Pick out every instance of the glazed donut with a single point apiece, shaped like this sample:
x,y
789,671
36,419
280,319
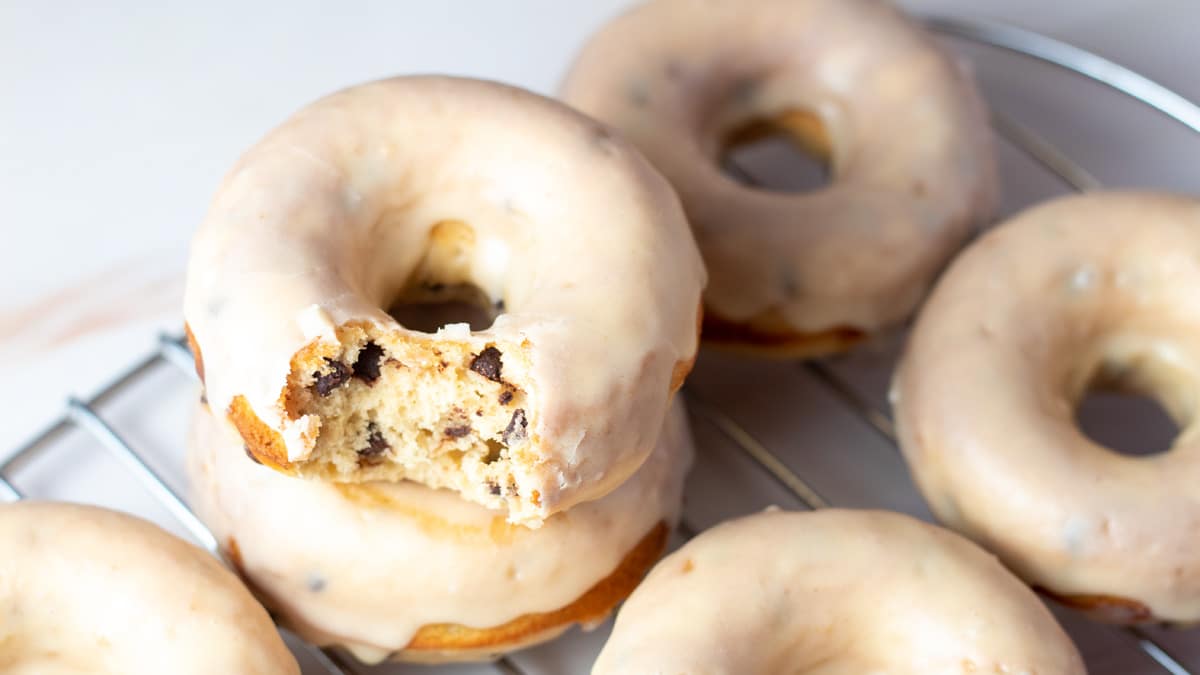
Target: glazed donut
x,y
88,590
404,572
1082,292
834,591
855,82
414,187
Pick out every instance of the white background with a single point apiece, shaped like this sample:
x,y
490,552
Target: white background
x,y
117,122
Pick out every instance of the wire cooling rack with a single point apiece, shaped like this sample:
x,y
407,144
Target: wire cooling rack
x,y
726,445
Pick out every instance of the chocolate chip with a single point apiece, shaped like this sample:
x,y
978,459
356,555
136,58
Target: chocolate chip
x,y
487,363
499,305
376,446
251,455
638,94
517,427
315,582
506,397
203,398
493,487
338,375
457,431
366,368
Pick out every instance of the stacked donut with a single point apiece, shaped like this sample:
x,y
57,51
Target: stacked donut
x,y
453,494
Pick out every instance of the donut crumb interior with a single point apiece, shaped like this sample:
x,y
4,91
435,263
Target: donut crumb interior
x,y
397,405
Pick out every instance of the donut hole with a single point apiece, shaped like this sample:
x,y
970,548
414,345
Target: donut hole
x,y
441,290
436,305
1135,401
1125,422
787,153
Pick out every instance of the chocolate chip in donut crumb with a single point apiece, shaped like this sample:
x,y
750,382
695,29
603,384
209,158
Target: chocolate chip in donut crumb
x,y
487,363
338,375
515,432
251,454
366,368
494,487
499,305
377,445
457,431
506,397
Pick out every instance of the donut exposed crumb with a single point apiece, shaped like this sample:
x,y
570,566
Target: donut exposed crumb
x,y
446,412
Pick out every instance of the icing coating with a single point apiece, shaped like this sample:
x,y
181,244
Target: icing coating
x,y
369,565
1094,290
835,592
322,224
909,151
88,590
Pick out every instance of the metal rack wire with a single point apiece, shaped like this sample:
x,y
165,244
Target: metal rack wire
x,y
82,413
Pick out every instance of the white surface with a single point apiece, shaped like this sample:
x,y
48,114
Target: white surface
x,y
117,123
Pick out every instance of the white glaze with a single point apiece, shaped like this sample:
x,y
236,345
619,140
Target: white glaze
x,y
88,590
912,163
838,593
402,556
1101,286
323,221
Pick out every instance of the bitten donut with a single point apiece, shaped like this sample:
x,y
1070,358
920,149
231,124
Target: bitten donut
x,y
898,123
88,590
419,188
834,591
401,571
1095,291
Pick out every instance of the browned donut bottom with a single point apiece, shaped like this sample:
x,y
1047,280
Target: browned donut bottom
x,y
446,641
770,337
1105,608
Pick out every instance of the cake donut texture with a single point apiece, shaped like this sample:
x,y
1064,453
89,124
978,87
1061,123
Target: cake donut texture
x,y
897,121
88,590
834,591
419,188
1094,291
402,571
